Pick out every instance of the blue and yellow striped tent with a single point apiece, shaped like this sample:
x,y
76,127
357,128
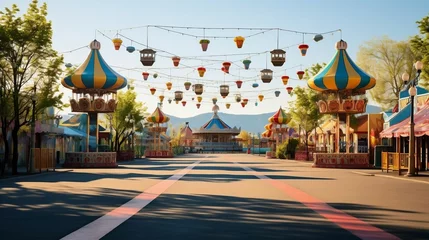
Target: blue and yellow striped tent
x,y
94,73
341,74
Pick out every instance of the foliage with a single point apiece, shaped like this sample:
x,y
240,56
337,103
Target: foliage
x,y
386,60
27,57
245,138
282,150
420,47
291,147
176,135
313,70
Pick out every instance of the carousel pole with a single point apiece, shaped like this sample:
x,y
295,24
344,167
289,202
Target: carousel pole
x,y
347,132
337,135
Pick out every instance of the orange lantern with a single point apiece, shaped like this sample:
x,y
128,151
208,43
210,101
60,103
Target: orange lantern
x,y
289,89
117,42
300,74
261,97
303,48
239,83
161,98
239,40
226,65
201,71
198,105
176,61
285,79
228,105
169,85
152,91
187,85
199,99
243,104
184,103
145,75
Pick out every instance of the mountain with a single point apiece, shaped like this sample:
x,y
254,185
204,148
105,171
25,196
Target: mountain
x,y
250,123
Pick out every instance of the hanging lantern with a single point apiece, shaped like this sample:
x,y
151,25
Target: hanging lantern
x,y
224,70
285,79
256,104
131,49
169,100
147,57
204,44
178,95
277,93
177,102
201,71
152,91
161,98
169,85
69,65
246,63
318,37
184,103
155,75
303,48
226,65
278,57
176,61
261,97
224,90
199,99
238,82
245,100
198,88
266,75
255,85
198,105
228,105
214,100
237,97
289,89
187,85
145,75
117,42
243,104
239,40
300,74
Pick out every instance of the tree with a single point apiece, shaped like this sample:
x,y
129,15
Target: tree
x,y
26,56
313,70
420,47
127,106
245,137
386,60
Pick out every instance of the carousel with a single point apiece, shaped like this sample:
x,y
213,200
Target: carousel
x,y
343,85
158,149
94,85
277,129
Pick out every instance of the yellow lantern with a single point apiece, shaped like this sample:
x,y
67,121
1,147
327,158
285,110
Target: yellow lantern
x,y
228,105
261,97
152,91
199,99
161,98
169,85
117,42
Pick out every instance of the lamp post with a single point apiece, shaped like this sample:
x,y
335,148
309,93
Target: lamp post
x,y
33,125
411,86
58,119
129,119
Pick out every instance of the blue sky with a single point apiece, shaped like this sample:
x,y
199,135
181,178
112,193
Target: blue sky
x,y
75,23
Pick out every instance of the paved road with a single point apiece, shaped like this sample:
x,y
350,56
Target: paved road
x,y
213,197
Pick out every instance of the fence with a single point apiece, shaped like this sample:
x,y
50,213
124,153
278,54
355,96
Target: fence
x,y
394,161
44,159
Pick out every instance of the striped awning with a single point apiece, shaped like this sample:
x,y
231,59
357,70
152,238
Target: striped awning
x,y
269,126
280,117
158,117
267,134
341,74
94,73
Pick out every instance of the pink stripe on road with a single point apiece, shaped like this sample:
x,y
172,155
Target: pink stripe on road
x,y
105,224
354,225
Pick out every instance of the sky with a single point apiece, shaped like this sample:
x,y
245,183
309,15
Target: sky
x,y
76,23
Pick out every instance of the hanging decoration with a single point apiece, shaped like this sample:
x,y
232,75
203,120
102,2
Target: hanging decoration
x,y
145,75
285,79
224,70
239,40
260,97
169,85
152,91
130,49
246,63
214,100
243,104
289,89
228,105
278,57
318,37
256,104
255,85
155,75
303,49
187,85
199,99
239,83
161,98
201,71
69,65
178,96
238,97
224,90
198,105
169,100
176,61
184,103
204,44
117,42
245,100
198,88
266,75
277,93
226,65
300,74
147,57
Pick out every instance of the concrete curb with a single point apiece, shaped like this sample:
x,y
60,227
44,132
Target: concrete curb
x,y
13,178
392,177
362,173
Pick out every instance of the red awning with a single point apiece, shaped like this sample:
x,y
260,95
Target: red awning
x,y
388,132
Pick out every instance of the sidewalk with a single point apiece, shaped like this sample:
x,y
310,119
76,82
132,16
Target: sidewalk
x,y
422,177
22,172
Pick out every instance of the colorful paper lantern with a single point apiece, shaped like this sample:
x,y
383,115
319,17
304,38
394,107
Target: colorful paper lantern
x,y
300,74
201,71
184,103
277,93
198,105
69,65
145,75
237,97
176,61
289,89
161,98
228,105
303,48
187,85
152,91
246,63
131,49
239,83
256,104
278,57
261,97
224,90
169,100
224,70
204,44
147,57
199,98
178,95
255,85
117,42
239,40
214,100
285,79
198,88
155,75
266,75
169,85
245,100
243,104
318,37
226,65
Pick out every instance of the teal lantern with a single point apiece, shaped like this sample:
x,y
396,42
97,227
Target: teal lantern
x,y
255,85
277,93
131,49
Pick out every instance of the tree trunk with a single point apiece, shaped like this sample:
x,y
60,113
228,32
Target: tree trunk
x,y
6,151
15,150
306,144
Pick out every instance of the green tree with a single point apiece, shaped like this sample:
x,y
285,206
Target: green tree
x,y
313,70
420,47
386,60
26,57
245,137
127,106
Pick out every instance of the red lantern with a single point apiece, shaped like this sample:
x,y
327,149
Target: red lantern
x,y
245,100
285,79
289,89
198,105
226,65
152,91
300,74
239,82
201,71
184,103
303,48
243,104
224,70
145,75
176,61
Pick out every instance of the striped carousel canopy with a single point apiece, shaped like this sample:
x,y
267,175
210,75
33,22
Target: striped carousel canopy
x,y
158,117
94,73
267,134
341,74
280,117
269,126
